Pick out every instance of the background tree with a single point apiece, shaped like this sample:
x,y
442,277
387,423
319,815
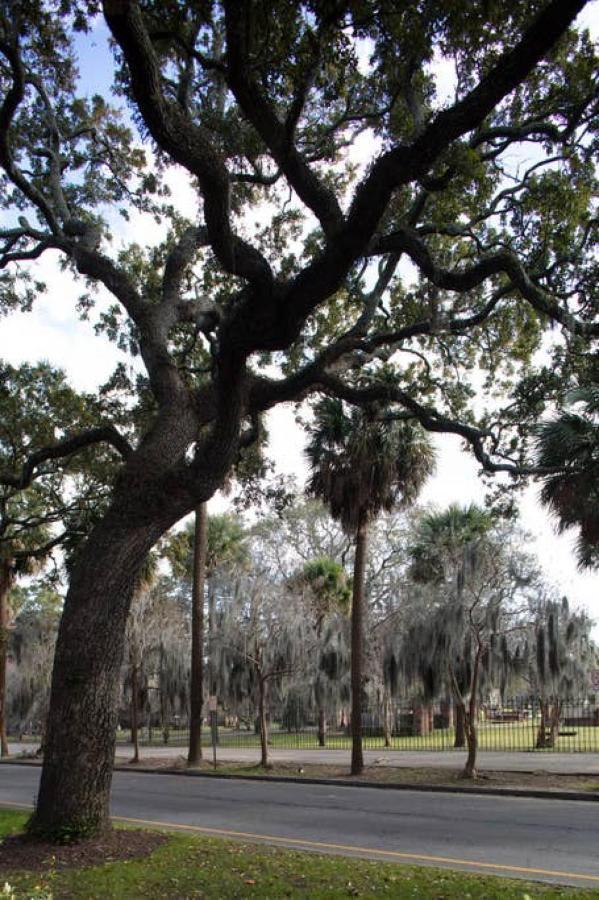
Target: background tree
x,y
263,639
362,465
327,593
437,555
36,610
230,320
556,657
474,607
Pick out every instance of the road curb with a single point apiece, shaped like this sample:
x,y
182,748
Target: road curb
x,y
535,793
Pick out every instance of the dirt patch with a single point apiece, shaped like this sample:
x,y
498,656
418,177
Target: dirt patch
x,y
25,853
385,774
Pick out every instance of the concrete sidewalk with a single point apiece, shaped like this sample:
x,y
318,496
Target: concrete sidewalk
x,y
557,763
562,763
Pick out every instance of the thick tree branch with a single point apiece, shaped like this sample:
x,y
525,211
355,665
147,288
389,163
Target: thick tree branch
x,y
277,135
106,434
178,261
430,419
186,142
506,263
12,100
404,164
408,163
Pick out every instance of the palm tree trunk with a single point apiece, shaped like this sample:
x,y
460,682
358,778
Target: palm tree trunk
x,y
6,582
386,717
357,644
135,711
200,545
212,685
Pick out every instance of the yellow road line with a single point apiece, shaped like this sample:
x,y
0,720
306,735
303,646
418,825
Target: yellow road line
x,y
392,854
321,845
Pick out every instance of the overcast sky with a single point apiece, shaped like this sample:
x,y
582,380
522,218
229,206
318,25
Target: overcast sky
x,y
53,332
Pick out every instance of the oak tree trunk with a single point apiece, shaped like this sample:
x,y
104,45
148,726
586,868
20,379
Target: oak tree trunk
x,y
556,714
200,544
79,744
322,727
470,718
460,726
357,644
263,724
472,741
542,730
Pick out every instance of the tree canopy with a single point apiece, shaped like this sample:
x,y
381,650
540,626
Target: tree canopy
x,y
359,233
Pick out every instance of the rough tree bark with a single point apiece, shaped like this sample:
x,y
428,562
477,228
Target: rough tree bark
x,y
79,745
322,727
470,717
200,544
357,644
541,741
460,726
262,687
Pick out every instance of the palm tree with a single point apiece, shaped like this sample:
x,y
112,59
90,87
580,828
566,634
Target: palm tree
x,y
363,463
570,443
195,554
441,537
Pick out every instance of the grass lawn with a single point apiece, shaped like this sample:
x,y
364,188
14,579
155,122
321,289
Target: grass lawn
x,y
190,866
492,736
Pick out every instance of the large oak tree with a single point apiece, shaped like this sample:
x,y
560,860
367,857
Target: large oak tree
x,y
487,194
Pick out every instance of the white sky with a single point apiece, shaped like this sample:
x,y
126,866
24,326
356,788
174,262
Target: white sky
x,y
53,332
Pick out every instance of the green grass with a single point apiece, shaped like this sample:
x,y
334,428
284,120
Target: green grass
x,y
190,866
507,736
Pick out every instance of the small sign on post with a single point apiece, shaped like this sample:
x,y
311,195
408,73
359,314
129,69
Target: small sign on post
x,y
213,709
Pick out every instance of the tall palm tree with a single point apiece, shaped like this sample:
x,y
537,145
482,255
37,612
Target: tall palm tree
x,y
196,553
570,443
363,463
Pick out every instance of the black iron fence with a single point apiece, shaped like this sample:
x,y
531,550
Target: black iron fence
x,y
524,725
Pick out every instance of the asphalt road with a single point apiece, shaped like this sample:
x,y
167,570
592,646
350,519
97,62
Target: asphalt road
x,y
551,840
